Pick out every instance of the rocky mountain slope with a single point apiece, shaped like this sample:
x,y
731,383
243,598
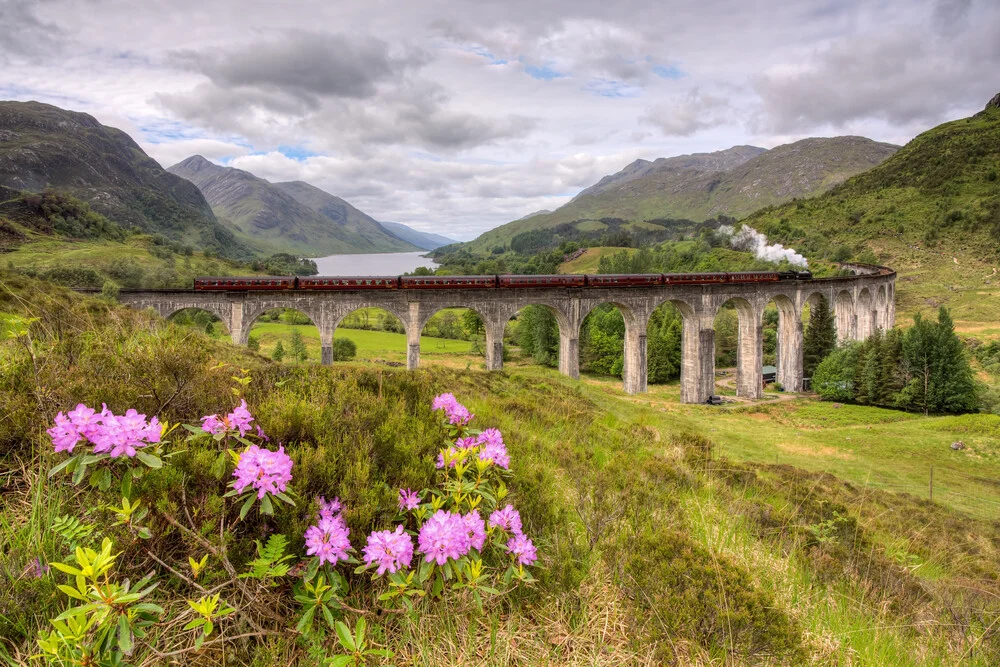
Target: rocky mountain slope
x,y
45,147
733,182
290,217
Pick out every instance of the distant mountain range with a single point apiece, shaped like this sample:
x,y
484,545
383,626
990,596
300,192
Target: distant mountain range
x,y
42,146
290,217
732,182
424,240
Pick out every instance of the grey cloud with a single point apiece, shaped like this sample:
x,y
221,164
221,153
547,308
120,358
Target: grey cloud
x,y
686,115
304,65
23,34
903,76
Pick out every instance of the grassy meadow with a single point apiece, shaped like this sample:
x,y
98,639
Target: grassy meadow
x,y
785,532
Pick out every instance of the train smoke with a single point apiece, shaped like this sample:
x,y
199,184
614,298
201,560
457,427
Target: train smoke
x,y
749,239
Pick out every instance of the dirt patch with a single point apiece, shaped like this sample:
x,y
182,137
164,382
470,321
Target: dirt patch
x,y
807,450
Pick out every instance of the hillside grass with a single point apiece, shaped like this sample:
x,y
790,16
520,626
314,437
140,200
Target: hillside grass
x,y
667,534
588,261
371,345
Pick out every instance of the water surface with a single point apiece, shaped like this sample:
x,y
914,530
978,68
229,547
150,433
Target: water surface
x,y
380,264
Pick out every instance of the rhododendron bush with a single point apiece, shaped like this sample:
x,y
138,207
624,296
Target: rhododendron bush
x,y
459,540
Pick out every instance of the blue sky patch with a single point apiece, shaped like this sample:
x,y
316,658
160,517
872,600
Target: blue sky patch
x,y
542,73
668,72
612,88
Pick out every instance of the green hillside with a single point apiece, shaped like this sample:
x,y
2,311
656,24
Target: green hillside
x,y
734,183
45,147
784,534
932,211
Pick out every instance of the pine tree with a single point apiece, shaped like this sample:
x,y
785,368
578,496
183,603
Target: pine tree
x,y
298,347
820,337
279,352
953,388
919,358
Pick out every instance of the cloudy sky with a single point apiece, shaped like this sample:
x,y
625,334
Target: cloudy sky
x,y
454,117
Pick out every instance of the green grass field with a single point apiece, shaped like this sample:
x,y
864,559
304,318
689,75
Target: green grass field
x,y
371,344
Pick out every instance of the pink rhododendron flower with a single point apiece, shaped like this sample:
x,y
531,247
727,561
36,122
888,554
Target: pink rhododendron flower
x,y
408,500
212,424
508,519
240,418
328,509
391,550
477,529
264,470
498,455
443,536
64,434
466,443
261,434
328,540
456,413
86,420
443,402
522,547
116,435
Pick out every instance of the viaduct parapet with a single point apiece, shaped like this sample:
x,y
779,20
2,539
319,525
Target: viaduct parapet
x,y
860,303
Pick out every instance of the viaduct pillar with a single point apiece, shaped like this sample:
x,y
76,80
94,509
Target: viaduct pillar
x,y
494,344
413,337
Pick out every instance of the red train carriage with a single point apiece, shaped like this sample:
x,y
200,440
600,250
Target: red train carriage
x,y
348,282
694,278
542,281
447,282
245,283
625,279
754,277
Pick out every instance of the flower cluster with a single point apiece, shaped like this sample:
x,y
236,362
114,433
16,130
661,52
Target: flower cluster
x,y
456,413
239,419
444,535
391,550
115,435
408,500
328,539
263,470
489,444
509,519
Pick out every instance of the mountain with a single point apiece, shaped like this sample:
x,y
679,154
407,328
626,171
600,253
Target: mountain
x,y
290,217
732,182
42,146
423,240
931,211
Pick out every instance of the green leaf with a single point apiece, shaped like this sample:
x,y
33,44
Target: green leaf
x,y
359,632
144,533
339,661
246,507
328,615
68,463
196,623
265,505
306,620
126,486
219,467
285,498
124,635
346,639
81,471
149,459
72,592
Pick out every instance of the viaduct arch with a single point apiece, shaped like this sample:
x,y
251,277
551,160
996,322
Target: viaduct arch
x,y
861,303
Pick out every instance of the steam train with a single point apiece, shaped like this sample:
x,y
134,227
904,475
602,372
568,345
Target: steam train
x,y
327,283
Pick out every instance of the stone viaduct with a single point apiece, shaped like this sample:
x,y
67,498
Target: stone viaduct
x,y
860,303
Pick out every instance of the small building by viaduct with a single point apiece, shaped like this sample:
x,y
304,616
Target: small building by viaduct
x,y
860,304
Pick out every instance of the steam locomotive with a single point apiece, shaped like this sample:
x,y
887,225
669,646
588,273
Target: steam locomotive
x,y
333,283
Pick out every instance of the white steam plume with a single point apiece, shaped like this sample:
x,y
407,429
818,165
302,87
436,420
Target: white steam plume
x,y
750,240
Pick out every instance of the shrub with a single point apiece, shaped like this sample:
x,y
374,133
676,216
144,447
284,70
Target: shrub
x,y
344,349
